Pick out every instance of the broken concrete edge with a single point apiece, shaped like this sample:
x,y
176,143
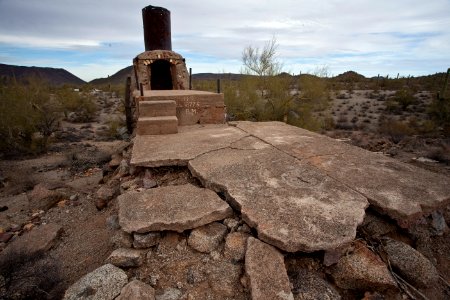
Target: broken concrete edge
x,y
161,163
403,220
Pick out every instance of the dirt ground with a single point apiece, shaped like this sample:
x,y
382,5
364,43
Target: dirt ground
x,y
83,153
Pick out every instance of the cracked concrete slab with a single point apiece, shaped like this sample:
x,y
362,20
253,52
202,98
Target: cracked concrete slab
x,y
175,208
292,205
178,149
402,191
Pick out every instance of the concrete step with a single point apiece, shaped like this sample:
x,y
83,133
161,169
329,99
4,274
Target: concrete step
x,y
160,108
157,125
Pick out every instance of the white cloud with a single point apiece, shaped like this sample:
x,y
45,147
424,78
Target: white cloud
x,y
363,35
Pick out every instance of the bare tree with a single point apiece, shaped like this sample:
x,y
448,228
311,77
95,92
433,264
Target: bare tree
x,y
262,63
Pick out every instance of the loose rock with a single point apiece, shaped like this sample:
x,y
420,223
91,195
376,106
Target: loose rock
x,y
267,274
362,270
34,242
126,258
169,294
207,238
137,290
122,239
415,267
307,285
42,198
104,283
146,240
235,246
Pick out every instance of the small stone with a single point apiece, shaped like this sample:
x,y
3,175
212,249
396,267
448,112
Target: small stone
x,y
122,239
5,237
28,227
194,276
266,271
231,223
62,203
42,198
332,257
410,263
146,240
112,222
170,294
207,238
244,228
73,197
123,169
308,285
149,183
106,193
137,290
438,223
105,282
215,255
100,204
126,258
362,270
235,246
223,278
375,225
154,279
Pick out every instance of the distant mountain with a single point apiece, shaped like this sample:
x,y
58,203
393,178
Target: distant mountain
x,y
119,77
215,76
350,76
51,75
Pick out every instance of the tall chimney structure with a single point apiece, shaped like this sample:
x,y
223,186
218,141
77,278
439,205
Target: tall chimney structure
x,y
157,31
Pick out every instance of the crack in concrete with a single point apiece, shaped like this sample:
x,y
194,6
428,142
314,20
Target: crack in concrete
x,y
305,160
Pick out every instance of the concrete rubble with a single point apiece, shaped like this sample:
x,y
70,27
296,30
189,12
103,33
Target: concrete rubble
x,y
271,194
267,274
175,208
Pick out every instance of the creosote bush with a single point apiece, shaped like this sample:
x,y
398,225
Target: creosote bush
x,y
31,111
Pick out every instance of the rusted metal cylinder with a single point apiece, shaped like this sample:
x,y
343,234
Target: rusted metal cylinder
x,y
157,33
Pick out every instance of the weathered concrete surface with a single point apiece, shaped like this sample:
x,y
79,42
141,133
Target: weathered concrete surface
x,y
190,142
293,206
175,208
402,191
193,107
267,274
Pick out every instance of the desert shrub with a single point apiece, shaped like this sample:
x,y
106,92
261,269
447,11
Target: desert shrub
x,y
82,105
439,111
405,98
30,276
115,128
440,154
395,130
24,110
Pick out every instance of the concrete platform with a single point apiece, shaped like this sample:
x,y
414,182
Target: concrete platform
x,y
301,191
193,107
157,125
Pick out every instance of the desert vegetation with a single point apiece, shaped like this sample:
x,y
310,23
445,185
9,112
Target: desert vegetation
x,y
32,111
398,112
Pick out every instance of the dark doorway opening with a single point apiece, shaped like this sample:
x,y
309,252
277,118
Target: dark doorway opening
x,y
161,75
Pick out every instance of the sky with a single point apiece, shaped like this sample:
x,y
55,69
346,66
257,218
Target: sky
x,y
96,38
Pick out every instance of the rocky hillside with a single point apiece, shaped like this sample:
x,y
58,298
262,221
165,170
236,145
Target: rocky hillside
x,y
51,75
118,78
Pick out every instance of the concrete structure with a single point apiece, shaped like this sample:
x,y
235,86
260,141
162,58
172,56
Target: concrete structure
x,y
160,74
299,190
